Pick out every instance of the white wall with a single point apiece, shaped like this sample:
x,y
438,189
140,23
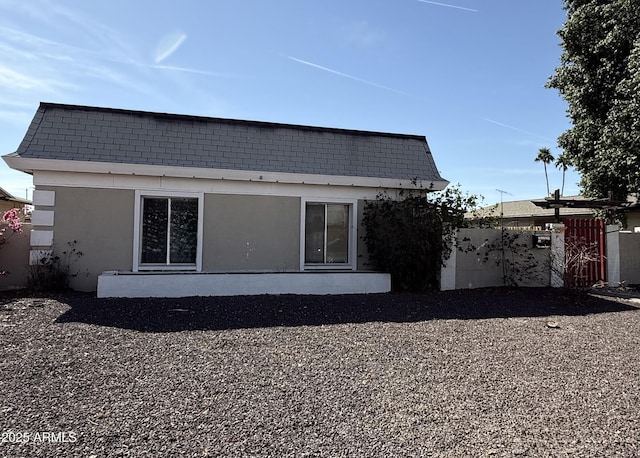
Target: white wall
x,y
114,284
630,257
477,263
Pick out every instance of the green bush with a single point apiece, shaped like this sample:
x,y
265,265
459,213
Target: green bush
x,y
410,236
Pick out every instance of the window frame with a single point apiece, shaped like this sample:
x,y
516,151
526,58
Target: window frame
x,y
137,231
352,240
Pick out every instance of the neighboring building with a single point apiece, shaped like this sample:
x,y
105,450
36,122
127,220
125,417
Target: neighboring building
x,y
7,201
632,214
525,214
633,218
174,205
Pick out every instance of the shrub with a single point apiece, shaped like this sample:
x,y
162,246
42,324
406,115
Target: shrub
x,y
412,235
53,272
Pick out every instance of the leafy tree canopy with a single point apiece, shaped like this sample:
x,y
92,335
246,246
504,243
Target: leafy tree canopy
x,y
599,77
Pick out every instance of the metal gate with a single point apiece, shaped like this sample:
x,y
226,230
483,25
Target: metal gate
x,y
585,252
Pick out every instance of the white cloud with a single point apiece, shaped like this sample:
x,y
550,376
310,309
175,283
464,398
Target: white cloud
x,y
24,82
168,45
49,51
17,117
38,67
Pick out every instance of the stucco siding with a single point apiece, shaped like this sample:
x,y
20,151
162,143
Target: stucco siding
x,y
100,221
245,233
472,270
629,263
14,259
241,233
363,255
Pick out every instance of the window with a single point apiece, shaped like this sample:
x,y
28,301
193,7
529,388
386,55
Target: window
x,y
327,234
168,232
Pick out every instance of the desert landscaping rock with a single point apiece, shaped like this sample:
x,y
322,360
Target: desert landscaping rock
x,y
463,373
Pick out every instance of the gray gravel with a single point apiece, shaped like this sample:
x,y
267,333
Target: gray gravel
x,y
476,373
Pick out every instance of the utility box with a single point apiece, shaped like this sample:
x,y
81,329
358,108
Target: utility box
x,y
542,239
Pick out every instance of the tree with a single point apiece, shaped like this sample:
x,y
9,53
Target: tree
x,y
599,78
545,156
10,220
563,164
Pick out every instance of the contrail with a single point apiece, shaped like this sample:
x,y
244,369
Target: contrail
x,y
196,71
449,6
345,75
513,128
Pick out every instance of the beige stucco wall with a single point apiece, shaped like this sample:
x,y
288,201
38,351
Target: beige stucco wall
x,y
629,260
240,232
243,232
14,258
473,271
100,221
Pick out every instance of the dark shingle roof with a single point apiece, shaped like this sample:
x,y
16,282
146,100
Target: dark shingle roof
x,y
527,209
79,133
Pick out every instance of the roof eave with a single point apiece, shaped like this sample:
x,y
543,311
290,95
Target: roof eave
x,y
31,165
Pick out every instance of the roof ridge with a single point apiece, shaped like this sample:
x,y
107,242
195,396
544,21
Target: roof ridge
x,y
154,114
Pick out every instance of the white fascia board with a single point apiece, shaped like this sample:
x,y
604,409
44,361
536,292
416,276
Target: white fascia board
x,y
172,184
29,165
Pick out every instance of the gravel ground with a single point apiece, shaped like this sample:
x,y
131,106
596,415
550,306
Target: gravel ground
x,y
532,372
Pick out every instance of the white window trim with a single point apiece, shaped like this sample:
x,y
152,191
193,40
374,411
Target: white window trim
x,y
353,234
137,233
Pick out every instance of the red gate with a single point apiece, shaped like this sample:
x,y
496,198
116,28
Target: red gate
x,y
584,249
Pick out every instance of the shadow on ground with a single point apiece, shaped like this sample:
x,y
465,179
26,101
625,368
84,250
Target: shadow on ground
x,y
218,313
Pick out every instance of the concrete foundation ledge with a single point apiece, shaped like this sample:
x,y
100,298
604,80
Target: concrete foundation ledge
x,y
185,284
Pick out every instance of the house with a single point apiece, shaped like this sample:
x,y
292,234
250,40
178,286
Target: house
x,y
177,205
533,214
8,201
526,215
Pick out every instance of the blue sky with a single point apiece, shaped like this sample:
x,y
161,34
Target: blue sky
x,y
467,74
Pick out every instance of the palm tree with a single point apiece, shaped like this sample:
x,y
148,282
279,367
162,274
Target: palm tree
x,y
545,156
563,164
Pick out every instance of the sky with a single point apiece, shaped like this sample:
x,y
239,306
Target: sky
x,y
469,75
